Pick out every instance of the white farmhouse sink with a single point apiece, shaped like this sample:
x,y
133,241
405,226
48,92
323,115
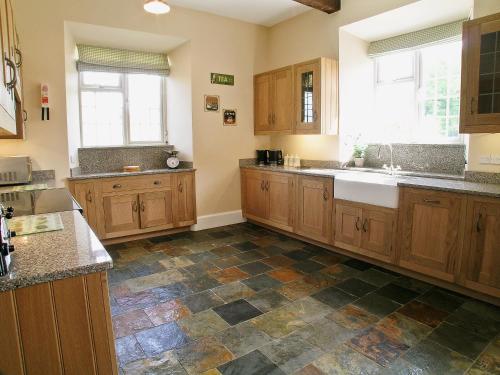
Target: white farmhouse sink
x,y
370,188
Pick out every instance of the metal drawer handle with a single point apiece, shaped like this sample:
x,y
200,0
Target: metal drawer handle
x,y
262,185
25,115
478,224
267,185
19,54
433,201
117,186
12,67
134,206
143,206
180,187
89,196
157,182
365,226
357,224
325,194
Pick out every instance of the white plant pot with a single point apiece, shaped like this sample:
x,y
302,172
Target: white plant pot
x,y
359,162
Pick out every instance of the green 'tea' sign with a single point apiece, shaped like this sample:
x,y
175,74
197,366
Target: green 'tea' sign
x,y
222,79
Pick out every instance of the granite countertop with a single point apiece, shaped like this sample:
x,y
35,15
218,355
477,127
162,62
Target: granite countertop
x,y
87,176
45,257
454,184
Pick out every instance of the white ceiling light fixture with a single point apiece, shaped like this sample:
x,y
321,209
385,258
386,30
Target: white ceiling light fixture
x,y
156,6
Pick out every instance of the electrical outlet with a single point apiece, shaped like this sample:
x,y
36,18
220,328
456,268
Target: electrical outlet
x,y
485,159
495,159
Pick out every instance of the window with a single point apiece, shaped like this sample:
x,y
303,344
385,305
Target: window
x,y
417,95
121,109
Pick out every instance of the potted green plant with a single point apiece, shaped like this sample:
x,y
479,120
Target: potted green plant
x,y
359,155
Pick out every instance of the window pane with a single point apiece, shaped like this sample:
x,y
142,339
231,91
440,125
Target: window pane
x,y
102,118
145,108
101,79
396,67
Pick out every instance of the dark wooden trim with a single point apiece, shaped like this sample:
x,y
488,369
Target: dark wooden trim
x,y
327,6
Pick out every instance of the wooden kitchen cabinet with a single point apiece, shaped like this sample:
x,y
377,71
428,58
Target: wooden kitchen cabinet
x,y
184,200
316,97
84,194
121,214
314,208
273,102
481,260
365,229
480,97
269,198
156,209
60,327
431,227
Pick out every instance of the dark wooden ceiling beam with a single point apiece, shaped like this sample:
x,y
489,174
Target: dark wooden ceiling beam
x,y
327,6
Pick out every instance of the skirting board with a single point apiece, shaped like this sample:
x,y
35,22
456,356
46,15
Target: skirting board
x,y
218,220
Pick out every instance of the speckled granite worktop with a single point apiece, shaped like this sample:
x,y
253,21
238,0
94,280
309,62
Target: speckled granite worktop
x,y
50,256
89,176
441,182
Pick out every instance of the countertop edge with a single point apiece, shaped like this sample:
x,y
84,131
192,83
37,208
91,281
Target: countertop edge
x,y
7,285
94,176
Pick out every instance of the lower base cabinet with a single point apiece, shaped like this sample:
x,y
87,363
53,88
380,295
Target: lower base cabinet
x,y
60,327
126,206
365,229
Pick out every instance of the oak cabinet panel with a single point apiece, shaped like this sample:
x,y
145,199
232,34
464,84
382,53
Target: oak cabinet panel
x,y
184,203
255,196
481,262
314,207
121,213
431,231
156,209
281,200
84,193
348,224
273,101
480,99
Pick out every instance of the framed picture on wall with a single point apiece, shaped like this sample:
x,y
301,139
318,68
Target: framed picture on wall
x,y
229,117
212,103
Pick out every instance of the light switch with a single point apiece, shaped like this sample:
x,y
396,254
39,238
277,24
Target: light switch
x,y
485,159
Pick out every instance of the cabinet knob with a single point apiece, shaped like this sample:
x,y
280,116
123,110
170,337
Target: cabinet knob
x,y
117,186
157,182
365,226
180,188
357,224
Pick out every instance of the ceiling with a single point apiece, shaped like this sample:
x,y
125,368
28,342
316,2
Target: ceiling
x,y
423,14
260,12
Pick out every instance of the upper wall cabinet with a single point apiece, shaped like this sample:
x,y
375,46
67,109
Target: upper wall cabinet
x,y
480,97
316,97
302,99
12,114
273,101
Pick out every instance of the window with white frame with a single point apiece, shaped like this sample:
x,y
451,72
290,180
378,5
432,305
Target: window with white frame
x,y
417,95
121,109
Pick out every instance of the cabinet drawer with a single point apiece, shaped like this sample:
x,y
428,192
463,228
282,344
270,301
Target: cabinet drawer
x,y
136,183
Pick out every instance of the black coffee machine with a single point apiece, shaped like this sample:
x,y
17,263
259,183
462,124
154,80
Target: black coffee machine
x,y
275,157
5,235
262,157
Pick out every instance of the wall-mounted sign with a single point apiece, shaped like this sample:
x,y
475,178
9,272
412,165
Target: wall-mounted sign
x,y
211,103
222,79
229,117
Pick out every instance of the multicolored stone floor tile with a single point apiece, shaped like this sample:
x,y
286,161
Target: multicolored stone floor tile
x,y
244,300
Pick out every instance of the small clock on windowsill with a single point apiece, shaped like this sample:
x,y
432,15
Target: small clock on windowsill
x,y
173,160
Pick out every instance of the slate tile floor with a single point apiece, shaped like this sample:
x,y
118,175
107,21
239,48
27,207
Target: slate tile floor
x,y
244,300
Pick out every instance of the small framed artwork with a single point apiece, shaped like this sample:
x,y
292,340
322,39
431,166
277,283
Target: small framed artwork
x,y
212,103
229,117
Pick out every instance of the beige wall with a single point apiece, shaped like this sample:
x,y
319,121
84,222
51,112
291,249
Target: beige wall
x,y
484,144
217,44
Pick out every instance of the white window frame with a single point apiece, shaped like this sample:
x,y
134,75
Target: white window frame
x,y
417,78
123,88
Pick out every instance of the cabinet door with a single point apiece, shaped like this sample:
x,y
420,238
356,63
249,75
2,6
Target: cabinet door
x,y
282,116
482,256
263,97
348,220
7,100
307,98
377,235
121,214
255,196
314,212
184,208
156,209
480,99
281,199
431,232
85,196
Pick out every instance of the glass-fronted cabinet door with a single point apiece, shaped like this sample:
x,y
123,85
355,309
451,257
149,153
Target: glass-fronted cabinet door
x,y
307,96
480,101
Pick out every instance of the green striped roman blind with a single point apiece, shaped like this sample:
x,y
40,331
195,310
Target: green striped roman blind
x,y
443,33
100,59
